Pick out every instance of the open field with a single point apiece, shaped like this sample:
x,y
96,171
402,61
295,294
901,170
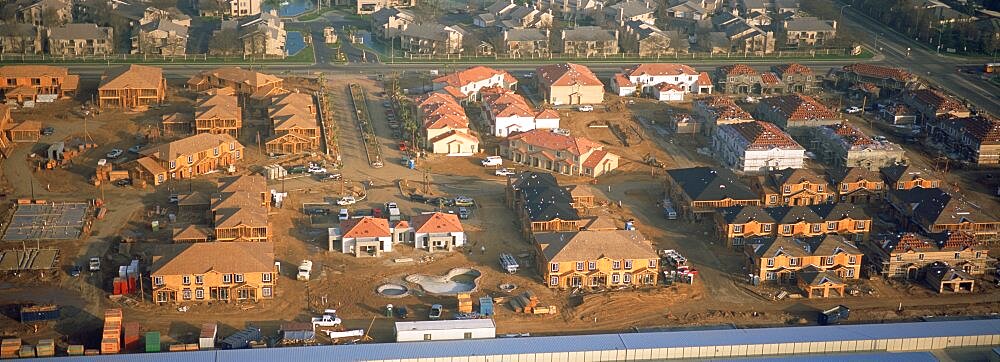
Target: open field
x,y
719,294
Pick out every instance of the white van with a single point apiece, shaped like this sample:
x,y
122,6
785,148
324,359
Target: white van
x,y
491,161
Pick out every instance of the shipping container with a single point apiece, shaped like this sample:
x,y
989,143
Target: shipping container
x,y
39,313
152,342
209,331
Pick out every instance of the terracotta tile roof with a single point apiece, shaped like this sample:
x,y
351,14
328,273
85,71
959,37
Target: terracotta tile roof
x,y
659,69
984,130
452,91
949,241
738,69
851,135
725,108
798,107
704,79
769,78
365,227
27,71
436,222
201,258
472,75
878,71
190,145
595,159
132,76
446,121
441,111
763,135
566,74
547,114
666,87
792,68
622,81
457,134
546,139
593,245
940,102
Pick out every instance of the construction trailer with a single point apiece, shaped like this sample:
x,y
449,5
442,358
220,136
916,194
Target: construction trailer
x,y
445,330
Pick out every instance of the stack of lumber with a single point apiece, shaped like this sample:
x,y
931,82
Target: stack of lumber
x,y
524,303
27,351
464,303
46,348
10,347
544,310
111,342
74,350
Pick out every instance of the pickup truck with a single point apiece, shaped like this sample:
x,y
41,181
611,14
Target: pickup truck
x,y
95,264
329,319
347,200
305,268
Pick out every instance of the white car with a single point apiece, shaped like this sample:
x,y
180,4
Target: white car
x,y
504,172
853,110
586,108
343,215
347,200
115,153
492,161
316,169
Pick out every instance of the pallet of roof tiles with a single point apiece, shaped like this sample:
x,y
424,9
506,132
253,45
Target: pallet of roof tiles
x,y
464,303
27,351
10,347
74,350
46,348
91,352
176,348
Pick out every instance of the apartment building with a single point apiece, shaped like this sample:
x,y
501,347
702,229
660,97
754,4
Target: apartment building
x,y
644,78
238,8
796,77
741,35
908,255
905,177
131,87
741,225
846,146
161,37
809,31
647,40
188,157
446,126
196,273
568,84
431,39
786,260
890,81
702,190
589,41
796,110
527,43
932,104
46,13
719,110
20,39
559,153
388,22
505,14
756,147
794,187
217,114
975,138
596,259
239,209
470,81
364,7
76,40
294,124
631,10
262,34
738,79
27,82
933,210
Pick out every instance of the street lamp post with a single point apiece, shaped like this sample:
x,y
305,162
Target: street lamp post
x,y
841,19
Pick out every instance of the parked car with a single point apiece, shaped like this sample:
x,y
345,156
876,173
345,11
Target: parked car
x,y
94,264
48,131
464,201
328,177
463,213
504,172
296,169
436,311
347,200
317,211
585,108
418,198
135,149
174,198
853,110
115,153
376,212
490,161
401,312
75,270
343,215
314,168
123,182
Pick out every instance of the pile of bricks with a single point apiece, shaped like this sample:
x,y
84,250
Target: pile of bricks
x,y
111,342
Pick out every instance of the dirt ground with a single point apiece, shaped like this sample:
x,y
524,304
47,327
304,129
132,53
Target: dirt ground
x,y
719,294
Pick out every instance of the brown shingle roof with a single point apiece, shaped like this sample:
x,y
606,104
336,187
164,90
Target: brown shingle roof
x,y
132,76
22,71
593,245
239,75
204,257
190,145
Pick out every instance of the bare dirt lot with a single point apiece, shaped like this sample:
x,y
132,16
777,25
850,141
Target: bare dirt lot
x,y
719,294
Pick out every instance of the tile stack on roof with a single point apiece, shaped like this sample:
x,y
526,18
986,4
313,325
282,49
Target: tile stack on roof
x,y
738,69
594,244
759,135
878,71
436,222
984,130
798,107
947,241
710,184
724,108
201,258
937,100
792,68
132,76
769,78
567,74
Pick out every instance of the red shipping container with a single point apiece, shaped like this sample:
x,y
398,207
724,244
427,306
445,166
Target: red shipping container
x,y
131,284
132,336
117,287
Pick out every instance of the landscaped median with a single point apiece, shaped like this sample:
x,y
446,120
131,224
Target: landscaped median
x,y
686,58
305,56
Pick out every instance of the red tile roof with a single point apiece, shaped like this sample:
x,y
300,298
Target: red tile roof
x,y
659,69
475,74
941,102
793,68
769,78
565,74
365,227
437,222
546,139
595,158
738,69
725,108
851,135
797,107
984,130
547,114
704,79
459,134
442,111
878,71
622,81
764,135
666,87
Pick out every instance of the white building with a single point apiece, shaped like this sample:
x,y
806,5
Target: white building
x,y
644,79
468,82
365,236
756,147
444,330
508,112
667,92
239,8
437,231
